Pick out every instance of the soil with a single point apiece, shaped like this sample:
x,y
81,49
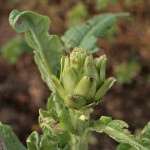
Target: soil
x,y
22,92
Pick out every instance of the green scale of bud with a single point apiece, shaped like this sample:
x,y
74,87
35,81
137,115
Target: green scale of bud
x,y
82,79
89,86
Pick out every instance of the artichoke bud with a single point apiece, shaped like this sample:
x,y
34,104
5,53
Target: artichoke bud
x,y
74,101
101,66
77,57
86,88
62,93
82,79
102,69
104,88
66,63
99,60
62,63
69,80
90,68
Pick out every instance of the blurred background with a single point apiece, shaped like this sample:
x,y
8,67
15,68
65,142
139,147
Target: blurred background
x,y
127,46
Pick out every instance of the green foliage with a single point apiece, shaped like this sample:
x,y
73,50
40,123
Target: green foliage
x,y
36,142
118,130
111,33
126,72
66,124
48,49
77,14
8,140
15,48
45,142
144,139
54,127
85,35
102,4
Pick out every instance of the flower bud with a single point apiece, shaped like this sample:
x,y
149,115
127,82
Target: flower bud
x,y
101,66
104,88
82,79
99,60
69,80
74,101
90,69
62,93
86,88
62,61
77,59
66,63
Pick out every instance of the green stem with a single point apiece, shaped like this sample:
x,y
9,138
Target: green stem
x,y
79,141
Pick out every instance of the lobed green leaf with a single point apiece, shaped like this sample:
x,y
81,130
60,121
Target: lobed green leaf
x,y
85,35
37,142
144,139
117,129
48,48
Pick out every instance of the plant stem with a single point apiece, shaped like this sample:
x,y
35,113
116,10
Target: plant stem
x,y
79,141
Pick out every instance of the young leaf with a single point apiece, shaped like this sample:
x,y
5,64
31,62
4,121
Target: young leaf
x,y
117,129
33,141
15,48
146,130
46,143
48,47
86,35
125,147
48,122
145,139
36,142
8,140
65,121
55,102
44,72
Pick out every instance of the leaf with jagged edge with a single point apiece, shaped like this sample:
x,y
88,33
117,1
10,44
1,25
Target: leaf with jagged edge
x,y
65,121
85,35
55,102
48,121
44,72
33,141
8,139
37,142
45,142
146,130
117,129
48,48
145,139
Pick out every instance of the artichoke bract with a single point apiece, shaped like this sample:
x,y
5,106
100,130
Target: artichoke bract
x,y
82,79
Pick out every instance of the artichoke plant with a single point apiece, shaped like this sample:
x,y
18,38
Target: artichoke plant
x,y
82,79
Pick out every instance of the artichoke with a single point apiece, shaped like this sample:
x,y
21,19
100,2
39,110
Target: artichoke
x,y
82,79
